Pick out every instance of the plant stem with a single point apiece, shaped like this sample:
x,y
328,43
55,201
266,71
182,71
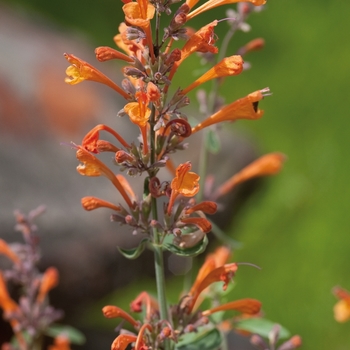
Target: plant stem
x,y
157,248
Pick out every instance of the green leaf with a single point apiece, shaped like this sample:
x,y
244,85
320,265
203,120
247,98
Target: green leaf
x,y
207,340
192,251
261,326
74,336
146,187
213,142
134,252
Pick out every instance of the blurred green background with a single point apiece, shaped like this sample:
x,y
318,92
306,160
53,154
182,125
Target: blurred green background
x,y
296,227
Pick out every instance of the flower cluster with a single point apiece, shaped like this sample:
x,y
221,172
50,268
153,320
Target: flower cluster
x,y
31,315
170,214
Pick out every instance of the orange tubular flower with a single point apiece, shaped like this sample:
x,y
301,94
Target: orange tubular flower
x,y
91,203
269,164
139,345
122,341
206,207
232,65
246,306
6,302
6,250
203,224
139,114
223,273
185,183
342,307
50,280
243,108
61,342
92,166
201,41
111,311
90,141
210,4
145,298
81,70
105,53
139,14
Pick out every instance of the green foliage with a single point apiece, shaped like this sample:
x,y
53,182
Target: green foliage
x,y
74,336
134,253
189,252
205,340
261,326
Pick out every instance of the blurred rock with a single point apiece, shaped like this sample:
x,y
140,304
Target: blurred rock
x,y
38,112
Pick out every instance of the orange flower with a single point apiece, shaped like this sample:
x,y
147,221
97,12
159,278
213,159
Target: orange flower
x,y
203,224
144,298
269,164
91,140
210,4
342,307
81,70
122,341
139,14
92,166
201,41
105,53
49,280
243,108
6,302
139,114
6,250
232,65
61,342
111,311
253,45
246,306
185,183
92,203
206,207
223,273
139,345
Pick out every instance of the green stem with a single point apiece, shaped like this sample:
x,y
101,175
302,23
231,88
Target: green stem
x,y
157,247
